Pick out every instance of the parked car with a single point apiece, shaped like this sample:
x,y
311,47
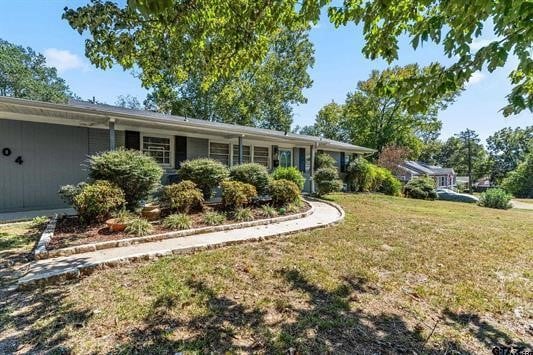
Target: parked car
x,y
450,195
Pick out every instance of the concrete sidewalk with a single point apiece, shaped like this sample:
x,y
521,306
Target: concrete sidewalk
x,y
72,266
8,217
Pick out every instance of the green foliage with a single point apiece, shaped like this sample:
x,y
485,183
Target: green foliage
x,y
507,149
24,74
123,216
183,196
520,182
327,181
292,208
284,192
138,227
67,192
289,173
97,200
205,173
421,188
359,175
253,174
381,111
236,194
495,198
39,221
390,185
243,215
135,173
268,211
177,221
324,160
212,218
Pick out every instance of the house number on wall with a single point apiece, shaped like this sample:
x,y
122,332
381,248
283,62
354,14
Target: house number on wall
x,y
7,152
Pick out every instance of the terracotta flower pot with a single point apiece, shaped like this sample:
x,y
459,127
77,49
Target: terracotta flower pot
x,y
151,212
114,225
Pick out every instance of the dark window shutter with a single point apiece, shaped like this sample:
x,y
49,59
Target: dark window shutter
x,y
301,160
275,157
180,151
132,140
343,162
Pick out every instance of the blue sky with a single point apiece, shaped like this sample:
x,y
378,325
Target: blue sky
x,y
339,65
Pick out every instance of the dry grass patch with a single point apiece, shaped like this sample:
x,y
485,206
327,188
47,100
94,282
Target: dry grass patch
x,y
398,275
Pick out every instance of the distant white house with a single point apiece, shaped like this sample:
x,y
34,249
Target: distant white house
x,y
444,177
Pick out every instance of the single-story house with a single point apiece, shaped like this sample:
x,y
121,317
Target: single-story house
x,y
44,145
444,177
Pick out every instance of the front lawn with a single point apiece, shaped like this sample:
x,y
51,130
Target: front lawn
x,y
398,275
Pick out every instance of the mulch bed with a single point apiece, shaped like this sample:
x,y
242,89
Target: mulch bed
x,y
70,232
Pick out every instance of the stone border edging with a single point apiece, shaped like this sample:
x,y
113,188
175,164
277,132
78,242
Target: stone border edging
x,y
45,238
87,269
42,253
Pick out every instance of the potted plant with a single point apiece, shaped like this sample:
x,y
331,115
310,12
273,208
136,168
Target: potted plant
x,y
151,211
119,222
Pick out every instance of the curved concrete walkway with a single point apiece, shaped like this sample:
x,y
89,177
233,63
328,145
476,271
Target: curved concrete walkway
x,y
74,265
522,205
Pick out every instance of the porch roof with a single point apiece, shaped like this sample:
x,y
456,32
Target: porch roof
x,y
98,116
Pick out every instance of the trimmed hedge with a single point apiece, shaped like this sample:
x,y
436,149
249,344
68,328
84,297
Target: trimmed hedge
x,y
327,181
363,176
206,173
253,174
236,194
289,173
495,198
136,174
97,200
421,188
183,196
324,160
284,192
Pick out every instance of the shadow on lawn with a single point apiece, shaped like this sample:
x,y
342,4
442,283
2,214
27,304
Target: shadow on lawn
x,y
327,324
38,321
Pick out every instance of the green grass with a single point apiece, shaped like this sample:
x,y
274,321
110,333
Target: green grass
x,y
397,275
17,238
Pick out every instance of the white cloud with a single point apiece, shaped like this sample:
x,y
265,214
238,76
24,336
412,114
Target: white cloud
x,y
64,60
475,78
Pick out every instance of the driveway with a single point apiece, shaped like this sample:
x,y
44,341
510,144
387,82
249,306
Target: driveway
x,y
522,205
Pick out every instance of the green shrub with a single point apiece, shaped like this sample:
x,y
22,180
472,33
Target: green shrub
x,y
390,185
136,174
138,227
283,192
268,211
207,174
290,173
177,221
360,175
124,216
243,215
236,194
213,218
324,160
292,208
183,196
253,174
495,198
327,181
97,200
38,222
520,181
67,192
421,188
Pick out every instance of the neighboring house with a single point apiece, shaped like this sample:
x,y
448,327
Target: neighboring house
x,y
43,144
444,177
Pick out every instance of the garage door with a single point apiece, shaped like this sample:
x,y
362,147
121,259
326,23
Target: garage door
x,y
36,159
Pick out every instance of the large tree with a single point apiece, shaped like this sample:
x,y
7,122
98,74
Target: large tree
x,y
380,111
261,96
507,148
24,74
171,38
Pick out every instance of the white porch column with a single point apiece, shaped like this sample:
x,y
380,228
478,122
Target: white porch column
x,y
112,135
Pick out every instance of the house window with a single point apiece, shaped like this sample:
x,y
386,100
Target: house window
x,y
219,152
158,148
245,154
261,156
285,157
442,181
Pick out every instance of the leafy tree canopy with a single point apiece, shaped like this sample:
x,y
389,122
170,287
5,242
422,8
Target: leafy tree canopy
x,y
168,39
24,74
381,112
260,96
507,148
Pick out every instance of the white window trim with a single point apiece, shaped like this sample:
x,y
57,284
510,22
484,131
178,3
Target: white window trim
x,y
172,146
280,148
